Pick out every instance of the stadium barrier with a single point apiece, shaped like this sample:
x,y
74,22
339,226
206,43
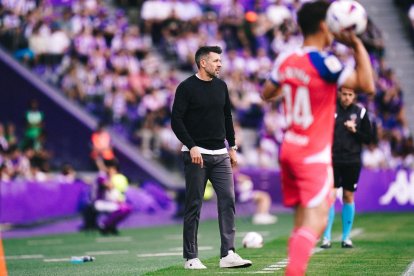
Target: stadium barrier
x,y
24,202
378,190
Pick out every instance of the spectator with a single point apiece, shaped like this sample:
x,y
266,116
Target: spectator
x,y
261,199
10,134
113,200
17,165
108,199
411,17
4,144
67,174
373,158
34,123
101,146
373,41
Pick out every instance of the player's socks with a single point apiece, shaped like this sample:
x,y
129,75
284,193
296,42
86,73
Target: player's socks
x,y
301,243
348,213
331,218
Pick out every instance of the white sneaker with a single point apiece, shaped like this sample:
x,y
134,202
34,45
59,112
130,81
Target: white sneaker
x,y
326,243
347,244
264,219
234,260
194,264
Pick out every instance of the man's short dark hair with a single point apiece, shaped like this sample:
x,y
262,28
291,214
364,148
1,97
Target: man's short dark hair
x,y
310,15
204,51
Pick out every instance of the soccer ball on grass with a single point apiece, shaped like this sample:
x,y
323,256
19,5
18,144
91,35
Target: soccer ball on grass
x,y
346,15
252,240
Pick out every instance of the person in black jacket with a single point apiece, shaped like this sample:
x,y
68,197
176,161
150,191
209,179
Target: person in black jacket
x,y
201,119
352,129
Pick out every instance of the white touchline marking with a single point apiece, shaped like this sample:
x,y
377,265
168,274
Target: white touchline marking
x,y
109,252
116,239
44,242
261,272
410,270
283,263
162,254
317,249
177,237
355,232
24,257
242,234
276,265
247,272
200,248
57,260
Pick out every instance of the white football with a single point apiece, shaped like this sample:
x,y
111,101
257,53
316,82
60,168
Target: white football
x,y
346,15
253,240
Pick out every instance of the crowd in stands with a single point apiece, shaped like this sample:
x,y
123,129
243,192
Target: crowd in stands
x,y
126,74
407,7
22,151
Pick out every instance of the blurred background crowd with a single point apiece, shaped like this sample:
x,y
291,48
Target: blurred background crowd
x,y
122,61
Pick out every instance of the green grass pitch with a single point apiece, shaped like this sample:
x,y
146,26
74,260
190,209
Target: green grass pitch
x,y
384,245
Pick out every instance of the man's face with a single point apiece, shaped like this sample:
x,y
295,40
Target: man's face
x,y
346,96
212,64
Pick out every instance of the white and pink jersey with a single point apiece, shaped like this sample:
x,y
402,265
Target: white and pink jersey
x,y
309,80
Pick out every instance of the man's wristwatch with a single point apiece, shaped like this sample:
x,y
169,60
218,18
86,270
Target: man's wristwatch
x,y
235,147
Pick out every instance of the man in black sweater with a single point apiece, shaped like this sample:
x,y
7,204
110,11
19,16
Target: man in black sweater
x,y
352,129
202,121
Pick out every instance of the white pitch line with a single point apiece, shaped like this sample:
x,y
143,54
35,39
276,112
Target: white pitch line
x,y
283,263
109,252
162,254
261,272
56,260
410,270
200,248
24,257
246,272
316,250
115,239
242,234
44,242
178,237
355,232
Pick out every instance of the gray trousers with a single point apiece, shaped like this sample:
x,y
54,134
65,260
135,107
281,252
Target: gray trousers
x,y
218,170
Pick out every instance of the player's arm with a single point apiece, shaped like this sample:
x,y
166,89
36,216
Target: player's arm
x,y
271,91
362,78
364,131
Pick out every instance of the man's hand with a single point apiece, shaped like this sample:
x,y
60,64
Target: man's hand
x,y
233,157
348,38
196,157
350,125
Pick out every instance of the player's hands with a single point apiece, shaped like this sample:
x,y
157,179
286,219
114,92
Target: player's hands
x,y
196,156
233,157
350,125
348,38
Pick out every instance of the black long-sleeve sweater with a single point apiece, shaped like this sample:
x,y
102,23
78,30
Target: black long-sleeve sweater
x,y
201,114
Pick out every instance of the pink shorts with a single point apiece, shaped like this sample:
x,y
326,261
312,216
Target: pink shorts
x,y
307,185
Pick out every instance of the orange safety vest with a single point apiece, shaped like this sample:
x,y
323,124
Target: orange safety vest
x,y
101,142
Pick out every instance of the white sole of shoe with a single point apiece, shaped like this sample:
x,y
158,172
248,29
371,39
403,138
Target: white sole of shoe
x,y
236,266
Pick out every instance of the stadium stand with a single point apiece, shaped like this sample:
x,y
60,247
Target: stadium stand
x,y
125,74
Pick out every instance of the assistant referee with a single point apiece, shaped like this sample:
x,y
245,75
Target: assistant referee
x,y
352,129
